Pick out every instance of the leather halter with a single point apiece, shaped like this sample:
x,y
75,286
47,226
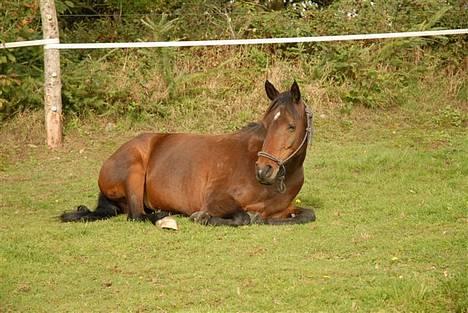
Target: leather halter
x,y
281,176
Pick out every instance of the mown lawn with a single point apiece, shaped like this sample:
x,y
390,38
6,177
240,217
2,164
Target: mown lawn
x,y
391,234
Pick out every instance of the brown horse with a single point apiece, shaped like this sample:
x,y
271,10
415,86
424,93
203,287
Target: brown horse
x,y
251,176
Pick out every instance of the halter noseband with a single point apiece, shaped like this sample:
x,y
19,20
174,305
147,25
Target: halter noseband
x,y
281,176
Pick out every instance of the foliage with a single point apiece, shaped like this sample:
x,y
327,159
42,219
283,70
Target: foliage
x,y
20,69
450,117
164,57
375,74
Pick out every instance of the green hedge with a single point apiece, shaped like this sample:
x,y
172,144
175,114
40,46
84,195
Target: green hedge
x,y
371,73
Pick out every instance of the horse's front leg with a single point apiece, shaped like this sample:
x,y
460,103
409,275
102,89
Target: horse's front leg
x,y
237,219
301,216
221,209
291,215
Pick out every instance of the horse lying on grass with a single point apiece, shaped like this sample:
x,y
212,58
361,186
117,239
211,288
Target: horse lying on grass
x,y
251,176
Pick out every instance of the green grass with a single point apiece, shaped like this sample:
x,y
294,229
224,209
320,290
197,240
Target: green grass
x,y
391,202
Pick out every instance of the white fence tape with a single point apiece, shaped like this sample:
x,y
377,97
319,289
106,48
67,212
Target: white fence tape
x,y
231,42
29,43
54,43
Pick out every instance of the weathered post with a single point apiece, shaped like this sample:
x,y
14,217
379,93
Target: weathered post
x,y
52,82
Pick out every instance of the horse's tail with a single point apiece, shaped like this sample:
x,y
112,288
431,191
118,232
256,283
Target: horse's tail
x,y
105,209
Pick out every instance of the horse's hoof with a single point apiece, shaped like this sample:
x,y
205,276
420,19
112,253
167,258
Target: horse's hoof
x,y
201,217
82,208
153,218
255,218
306,214
243,219
140,218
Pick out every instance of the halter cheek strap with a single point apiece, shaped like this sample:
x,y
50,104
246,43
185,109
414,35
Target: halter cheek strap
x,y
281,176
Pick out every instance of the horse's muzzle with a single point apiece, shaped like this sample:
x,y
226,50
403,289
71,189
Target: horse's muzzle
x,y
265,174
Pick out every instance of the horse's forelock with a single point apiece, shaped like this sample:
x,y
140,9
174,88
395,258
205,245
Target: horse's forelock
x,y
284,99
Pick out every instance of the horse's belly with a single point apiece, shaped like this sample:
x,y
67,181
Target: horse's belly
x,y
174,184
171,197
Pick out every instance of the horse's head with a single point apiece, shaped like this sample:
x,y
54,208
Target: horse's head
x,y
287,123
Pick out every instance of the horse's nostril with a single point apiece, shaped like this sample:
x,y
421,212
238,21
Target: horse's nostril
x,y
264,172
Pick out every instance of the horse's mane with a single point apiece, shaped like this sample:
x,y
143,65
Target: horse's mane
x,y
251,127
257,127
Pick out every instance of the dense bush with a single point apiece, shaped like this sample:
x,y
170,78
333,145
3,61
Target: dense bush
x,y
20,69
371,73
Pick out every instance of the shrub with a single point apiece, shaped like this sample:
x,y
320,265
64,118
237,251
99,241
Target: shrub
x,y
375,74
20,69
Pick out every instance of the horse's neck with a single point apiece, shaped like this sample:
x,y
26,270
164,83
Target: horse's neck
x,y
297,162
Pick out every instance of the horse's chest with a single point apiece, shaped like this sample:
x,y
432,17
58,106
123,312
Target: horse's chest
x,y
261,198
266,199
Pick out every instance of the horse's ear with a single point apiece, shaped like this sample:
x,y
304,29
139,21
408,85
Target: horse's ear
x,y
295,92
271,91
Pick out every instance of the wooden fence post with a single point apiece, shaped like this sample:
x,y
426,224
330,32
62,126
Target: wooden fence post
x,y
52,82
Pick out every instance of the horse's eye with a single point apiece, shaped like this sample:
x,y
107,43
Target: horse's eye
x,y
292,128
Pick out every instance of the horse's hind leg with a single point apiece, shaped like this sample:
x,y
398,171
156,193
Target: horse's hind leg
x,y
105,209
134,191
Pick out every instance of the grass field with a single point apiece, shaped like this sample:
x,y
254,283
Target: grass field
x,y
390,194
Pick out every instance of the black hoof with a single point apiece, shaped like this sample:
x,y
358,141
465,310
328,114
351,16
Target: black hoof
x,y
242,219
255,218
306,214
140,218
82,208
201,217
160,214
153,217
156,216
